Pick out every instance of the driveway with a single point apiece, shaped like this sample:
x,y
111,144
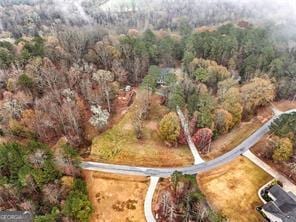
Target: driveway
x,y
196,168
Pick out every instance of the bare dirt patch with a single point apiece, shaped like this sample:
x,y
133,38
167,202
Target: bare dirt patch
x,y
4,139
232,189
153,125
116,198
285,105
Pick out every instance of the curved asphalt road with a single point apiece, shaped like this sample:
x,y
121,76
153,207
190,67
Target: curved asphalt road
x,y
201,167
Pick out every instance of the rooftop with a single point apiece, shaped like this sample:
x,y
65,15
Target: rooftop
x,y
283,205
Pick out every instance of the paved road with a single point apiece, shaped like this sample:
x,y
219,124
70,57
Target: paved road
x,y
148,200
201,167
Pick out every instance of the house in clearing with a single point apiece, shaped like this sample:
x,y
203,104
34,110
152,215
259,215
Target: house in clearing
x,y
164,76
282,208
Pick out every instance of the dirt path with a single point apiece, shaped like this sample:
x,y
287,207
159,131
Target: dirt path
x,y
285,105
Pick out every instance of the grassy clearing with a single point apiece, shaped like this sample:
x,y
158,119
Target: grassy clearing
x,y
232,189
116,198
230,140
120,145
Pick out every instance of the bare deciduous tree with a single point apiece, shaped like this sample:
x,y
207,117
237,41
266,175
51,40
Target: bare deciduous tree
x,y
54,119
120,73
51,193
100,117
103,77
76,41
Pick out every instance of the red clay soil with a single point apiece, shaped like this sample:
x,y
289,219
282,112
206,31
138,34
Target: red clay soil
x,y
121,104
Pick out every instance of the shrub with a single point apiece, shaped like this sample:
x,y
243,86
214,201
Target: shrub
x,y
10,85
77,205
25,81
6,58
202,139
283,150
18,130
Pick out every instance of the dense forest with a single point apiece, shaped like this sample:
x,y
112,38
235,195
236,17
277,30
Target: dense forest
x,y
62,68
49,186
78,73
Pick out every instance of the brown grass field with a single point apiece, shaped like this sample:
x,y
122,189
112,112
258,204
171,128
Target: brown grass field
x,y
116,198
120,145
230,140
232,189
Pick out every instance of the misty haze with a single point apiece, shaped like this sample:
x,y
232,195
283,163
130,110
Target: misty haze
x,y
157,111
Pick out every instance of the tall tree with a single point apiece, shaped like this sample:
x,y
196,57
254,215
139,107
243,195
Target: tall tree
x,y
223,121
169,128
176,98
257,92
232,103
284,126
103,78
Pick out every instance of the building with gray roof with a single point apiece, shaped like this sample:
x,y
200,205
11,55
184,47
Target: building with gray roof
x,y
282,208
